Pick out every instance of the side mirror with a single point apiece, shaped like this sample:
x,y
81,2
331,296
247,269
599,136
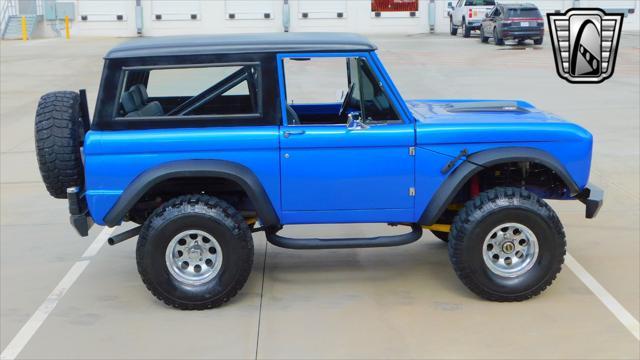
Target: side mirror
x,y
450,5
487,15
354,122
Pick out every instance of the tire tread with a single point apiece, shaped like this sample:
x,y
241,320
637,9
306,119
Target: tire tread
x,y
474,210
58,136
210,206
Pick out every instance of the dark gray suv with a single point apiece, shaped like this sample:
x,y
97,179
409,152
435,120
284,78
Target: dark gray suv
x,y
518,22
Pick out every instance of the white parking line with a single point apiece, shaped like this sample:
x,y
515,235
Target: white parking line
x,y
607,299
29,329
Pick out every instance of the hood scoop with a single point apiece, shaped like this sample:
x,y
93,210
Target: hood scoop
x,y
484,106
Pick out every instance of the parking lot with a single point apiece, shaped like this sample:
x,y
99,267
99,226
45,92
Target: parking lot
x,y
403,302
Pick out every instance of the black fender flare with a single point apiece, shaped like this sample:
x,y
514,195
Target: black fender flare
x,y
477,162
235,172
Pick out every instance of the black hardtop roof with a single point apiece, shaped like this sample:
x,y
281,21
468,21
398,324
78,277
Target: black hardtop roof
x,y
240,43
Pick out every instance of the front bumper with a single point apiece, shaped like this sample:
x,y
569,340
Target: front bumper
x,y
79,212
592,197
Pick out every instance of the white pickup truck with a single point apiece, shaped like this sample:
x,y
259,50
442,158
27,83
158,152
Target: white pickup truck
x,y
467,15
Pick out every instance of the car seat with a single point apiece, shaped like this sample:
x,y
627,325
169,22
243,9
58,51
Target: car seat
x,y
135,103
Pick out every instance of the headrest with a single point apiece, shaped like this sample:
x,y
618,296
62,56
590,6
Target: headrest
x,y
135,98
141,91
128,102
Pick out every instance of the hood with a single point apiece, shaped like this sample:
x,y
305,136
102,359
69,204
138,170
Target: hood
x,y
489,121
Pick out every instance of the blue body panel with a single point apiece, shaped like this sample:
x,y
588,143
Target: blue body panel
x,y
449,133
328,174
331,168
114,158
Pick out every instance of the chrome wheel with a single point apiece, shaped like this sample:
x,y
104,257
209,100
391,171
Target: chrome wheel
x,y
193,257
510,250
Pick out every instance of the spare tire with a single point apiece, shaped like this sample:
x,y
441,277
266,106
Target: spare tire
x,y
59,134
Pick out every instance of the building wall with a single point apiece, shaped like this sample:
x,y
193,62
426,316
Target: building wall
x,y
162,17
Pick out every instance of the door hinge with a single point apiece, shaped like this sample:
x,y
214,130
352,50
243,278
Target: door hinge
x,y
412,191
412,151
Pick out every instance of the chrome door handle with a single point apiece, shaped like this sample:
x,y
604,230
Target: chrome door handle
x,y
288,133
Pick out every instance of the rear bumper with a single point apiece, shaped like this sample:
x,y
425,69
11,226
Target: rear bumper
x,y
592,197
522,34
474,25
79,213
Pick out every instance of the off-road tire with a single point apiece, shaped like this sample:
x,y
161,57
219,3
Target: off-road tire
x,y
483,38
453,30
499,41
538,41
493,208
203,213
59,133
444,236
466,32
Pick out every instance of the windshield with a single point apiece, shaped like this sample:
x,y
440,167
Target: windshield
x,y
523,13
480,3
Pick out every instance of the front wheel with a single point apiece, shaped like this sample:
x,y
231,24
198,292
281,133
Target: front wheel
x,y
466,31
195,252
538,41
453,30
507,245
483,38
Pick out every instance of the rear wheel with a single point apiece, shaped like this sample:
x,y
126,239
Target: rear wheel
x,y
499,41
195,252
453,30
507,245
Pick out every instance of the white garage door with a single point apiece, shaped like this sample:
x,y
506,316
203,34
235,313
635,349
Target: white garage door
x,y
322,9
104,10
249,9
175,10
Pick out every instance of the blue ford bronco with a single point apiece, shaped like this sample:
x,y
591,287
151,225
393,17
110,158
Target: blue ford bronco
x,y
202,141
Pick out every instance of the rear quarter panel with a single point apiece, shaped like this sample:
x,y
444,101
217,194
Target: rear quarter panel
x,y
113,159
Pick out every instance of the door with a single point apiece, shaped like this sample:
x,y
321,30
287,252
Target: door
x,y
457,13
487,24
494,19
345,159
27,7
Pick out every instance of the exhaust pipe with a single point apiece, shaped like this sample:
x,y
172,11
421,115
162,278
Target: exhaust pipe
x,y
116,239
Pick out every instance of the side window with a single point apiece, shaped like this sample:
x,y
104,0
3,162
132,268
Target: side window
x,y
375,105
331,72
188,92
326,90
459,4
497,12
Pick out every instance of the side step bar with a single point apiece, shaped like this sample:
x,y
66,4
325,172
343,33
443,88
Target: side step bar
x,y
345,243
